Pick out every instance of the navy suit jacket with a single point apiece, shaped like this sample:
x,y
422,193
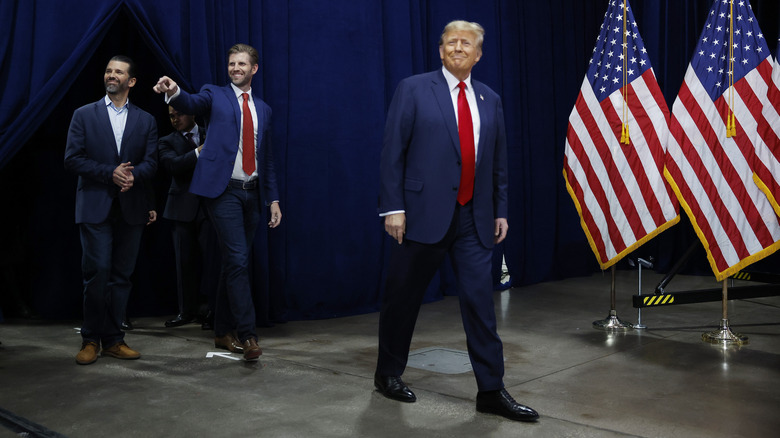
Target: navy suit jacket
x,y
177,156
420,161
90,152
219,107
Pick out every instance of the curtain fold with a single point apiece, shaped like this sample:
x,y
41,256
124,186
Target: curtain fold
x,y
44,47
328,70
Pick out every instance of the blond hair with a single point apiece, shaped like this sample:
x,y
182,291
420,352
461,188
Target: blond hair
x,y
467,26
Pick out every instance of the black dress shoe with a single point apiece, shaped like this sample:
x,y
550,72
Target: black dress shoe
x,y
394,388
501,403
208,321
179,320
127,325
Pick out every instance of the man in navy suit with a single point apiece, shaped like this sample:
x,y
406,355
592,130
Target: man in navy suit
x,y
234,167
192,230
112,147
444,191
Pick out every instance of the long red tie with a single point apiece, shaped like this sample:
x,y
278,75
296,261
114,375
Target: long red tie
x,y
247,137
466,134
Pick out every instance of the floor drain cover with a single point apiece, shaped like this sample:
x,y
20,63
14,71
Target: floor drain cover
x,y
440,360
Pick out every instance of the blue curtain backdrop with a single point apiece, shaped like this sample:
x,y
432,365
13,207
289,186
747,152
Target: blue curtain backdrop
x,y
328,70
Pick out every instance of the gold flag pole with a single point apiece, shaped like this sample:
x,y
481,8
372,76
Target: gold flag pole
x,y
724,335
624,137
731,124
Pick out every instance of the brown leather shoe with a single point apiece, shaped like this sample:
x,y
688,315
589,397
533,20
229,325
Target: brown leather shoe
x,y
121,351
229,343
251,350
88,353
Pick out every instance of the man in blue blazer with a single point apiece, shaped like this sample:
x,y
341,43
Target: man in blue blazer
x,y
112,147
234,167
444,191
193,235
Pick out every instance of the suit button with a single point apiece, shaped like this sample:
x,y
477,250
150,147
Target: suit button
x,y
455,189
458,163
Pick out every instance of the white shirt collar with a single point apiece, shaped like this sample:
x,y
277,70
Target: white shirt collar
x,y
452,81
108,102
239,92
194,130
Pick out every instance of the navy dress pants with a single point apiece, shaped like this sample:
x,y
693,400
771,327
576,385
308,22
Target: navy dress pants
x,y
412,266
235,215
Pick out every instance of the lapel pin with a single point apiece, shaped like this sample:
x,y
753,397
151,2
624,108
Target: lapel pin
x,y
482,97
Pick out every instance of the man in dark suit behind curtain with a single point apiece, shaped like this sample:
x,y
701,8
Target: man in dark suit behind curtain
x,y
444,191
235,171
193,235
112,147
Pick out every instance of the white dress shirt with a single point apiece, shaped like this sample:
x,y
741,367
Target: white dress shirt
x,y
118,118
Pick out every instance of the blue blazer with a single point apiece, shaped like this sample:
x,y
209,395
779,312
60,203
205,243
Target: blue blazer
x,y
90,153
219,107
420,160
178,158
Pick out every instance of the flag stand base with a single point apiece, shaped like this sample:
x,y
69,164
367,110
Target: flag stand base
x,y
724,336
612,322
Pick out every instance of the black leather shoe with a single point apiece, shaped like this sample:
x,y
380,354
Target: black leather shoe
x,y
127,325
394,388
501,403
208,321
180,319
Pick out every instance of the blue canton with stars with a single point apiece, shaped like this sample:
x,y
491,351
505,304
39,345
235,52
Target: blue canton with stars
x,y
605,72
710,60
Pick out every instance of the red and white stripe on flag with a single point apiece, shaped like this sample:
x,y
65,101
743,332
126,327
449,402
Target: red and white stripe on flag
x,y
767,165
619,189
712,173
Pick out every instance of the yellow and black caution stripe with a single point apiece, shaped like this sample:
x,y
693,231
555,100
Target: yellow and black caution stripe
x,y
704,295
761,277
658,300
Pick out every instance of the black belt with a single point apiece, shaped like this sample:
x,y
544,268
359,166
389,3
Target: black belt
x,y
243,185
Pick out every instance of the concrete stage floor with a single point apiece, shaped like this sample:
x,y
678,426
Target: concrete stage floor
x,y
315,377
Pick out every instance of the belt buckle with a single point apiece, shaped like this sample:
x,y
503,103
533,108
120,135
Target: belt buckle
x,y
247,185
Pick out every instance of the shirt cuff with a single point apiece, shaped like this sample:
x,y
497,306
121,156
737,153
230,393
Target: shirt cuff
x,y
391,212
175,95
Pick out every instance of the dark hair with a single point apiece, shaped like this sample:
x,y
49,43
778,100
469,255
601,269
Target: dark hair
x,y
245,48
128,61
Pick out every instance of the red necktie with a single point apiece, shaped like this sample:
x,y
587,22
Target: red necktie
x,y
466,134
247,137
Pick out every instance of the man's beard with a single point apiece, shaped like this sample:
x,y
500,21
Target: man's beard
x,y
113,88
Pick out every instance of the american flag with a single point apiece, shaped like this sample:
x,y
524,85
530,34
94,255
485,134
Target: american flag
x,y
709,171
767,166
618,189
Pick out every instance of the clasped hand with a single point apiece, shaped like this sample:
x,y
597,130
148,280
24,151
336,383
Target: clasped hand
x,y
123,176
